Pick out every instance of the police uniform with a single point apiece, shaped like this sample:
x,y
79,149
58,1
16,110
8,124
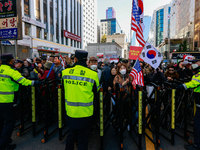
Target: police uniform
x,y
80,86
194,84
9,83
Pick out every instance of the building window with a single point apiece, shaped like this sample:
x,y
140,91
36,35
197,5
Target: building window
x,y
27,29
37,10
66,42
45,10
26,8
38,32
45,35
51,20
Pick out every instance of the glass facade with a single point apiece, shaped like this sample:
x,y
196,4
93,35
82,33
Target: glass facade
x,y
110,13
51,20
182,21
159,26
37,10
111,26
26,8
197,25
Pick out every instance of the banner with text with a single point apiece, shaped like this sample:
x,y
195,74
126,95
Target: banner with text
x,y
134,52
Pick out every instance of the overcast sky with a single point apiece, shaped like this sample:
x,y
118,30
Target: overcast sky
x,y
123,10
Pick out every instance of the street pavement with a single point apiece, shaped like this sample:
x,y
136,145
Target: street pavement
x,y
111,142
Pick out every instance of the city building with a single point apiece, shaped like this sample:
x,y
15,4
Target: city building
x,y
182,24
89,22
197,26
160,28
110,13
49,27
120,39
109,27
111,50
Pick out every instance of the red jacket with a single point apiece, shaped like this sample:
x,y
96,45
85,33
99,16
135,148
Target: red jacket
x,y
51,75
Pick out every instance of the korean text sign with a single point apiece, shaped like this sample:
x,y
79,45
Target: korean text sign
x,y
134,52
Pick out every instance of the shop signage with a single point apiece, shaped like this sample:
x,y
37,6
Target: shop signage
x,y
112,56
5,43
34,22
48,49
8,8
72,36
134,52
10,22
8,33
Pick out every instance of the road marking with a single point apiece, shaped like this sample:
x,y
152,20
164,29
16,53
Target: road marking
x,y
149,144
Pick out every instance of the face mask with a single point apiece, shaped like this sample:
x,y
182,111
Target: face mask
x,y
123,71
194,66
93,67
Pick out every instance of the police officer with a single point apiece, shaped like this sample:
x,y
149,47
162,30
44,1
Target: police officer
x,y
80,85
195,84
9,83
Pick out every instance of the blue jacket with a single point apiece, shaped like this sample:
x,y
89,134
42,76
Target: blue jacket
x,y
58,70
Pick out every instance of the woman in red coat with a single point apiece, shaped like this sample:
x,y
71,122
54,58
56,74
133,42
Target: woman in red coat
x,y
47,67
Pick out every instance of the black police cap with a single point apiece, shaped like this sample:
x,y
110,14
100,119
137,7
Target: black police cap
x,y
19,61
6,57
81,55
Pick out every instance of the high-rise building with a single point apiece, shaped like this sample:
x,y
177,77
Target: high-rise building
x,y
49,27
110,13
181,23
109,27
159,28
89,22
197,26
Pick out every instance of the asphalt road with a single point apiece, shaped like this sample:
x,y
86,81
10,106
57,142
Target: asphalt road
x,y
111,142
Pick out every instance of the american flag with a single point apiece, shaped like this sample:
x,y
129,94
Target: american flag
x,y
136,22
137,75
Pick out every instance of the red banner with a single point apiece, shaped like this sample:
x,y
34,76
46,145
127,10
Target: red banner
x,y
134,52
72,36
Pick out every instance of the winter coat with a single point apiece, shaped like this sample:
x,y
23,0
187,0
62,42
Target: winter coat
x,y
58,70
174,75
24,71
51,75
105,76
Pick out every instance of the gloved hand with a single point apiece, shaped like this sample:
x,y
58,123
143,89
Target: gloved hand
x,y
37,83
180,87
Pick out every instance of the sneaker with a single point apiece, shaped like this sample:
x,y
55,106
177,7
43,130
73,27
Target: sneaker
x,y
191,147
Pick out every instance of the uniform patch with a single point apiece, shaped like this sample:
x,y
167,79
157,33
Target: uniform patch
x,y
197,75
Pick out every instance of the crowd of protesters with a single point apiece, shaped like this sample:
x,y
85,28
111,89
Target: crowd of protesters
x,y
108,73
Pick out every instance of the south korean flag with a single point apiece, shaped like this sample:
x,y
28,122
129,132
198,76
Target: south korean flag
x,y
151,55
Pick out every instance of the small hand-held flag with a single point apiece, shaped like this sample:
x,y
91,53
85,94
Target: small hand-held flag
x,y
151,55
63,62
137,75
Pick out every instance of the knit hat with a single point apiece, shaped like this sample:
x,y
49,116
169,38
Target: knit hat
x,y
48,64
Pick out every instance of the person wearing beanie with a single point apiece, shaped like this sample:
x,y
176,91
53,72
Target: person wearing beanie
x,y
47,67
80,86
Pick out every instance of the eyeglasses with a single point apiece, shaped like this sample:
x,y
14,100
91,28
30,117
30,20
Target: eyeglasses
x,y
171,70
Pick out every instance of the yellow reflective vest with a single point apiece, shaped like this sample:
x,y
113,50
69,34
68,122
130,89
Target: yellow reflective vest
x,y
78,84
9,83
194,83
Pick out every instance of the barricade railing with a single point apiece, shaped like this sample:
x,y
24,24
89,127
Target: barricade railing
x,y
121,115
24,110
